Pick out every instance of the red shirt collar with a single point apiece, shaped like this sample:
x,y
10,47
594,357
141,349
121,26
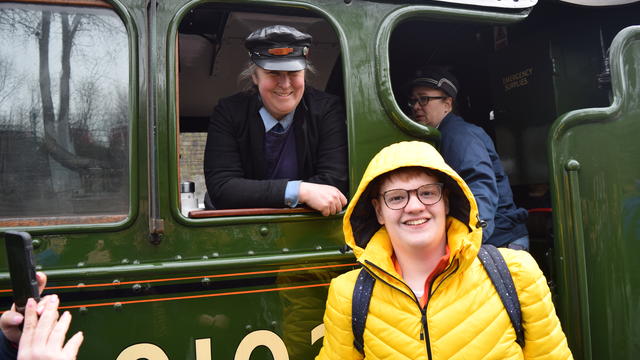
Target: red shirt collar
x,y
442,264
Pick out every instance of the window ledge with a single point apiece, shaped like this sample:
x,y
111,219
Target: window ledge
x,y
198,214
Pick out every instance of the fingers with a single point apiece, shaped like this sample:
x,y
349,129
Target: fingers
x,y
332,207
10,324
42,281
326,211
56,338
336,202
332,203
342,199
10,319
47,320
70,350
328,200
43,338
30,323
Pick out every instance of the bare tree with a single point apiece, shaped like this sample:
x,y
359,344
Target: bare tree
x,y
70,25
9,81
87,93
56,126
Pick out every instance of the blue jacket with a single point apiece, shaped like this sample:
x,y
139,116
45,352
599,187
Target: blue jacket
x,y
470,152
7,352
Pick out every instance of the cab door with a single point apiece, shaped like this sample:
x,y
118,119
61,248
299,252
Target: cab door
x,y
596,194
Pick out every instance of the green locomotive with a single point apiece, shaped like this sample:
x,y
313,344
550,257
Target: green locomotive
x,y
104,106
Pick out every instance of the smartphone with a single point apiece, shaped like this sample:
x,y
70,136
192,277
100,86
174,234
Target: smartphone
x,y
22,268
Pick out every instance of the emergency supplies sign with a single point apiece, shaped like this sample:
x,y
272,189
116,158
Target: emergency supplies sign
x,y
517,79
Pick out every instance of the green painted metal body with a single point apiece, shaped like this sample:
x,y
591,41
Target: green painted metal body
x,y
223,279
596,194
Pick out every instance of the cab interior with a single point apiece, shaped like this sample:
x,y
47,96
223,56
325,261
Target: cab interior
x,y
515,81
212,55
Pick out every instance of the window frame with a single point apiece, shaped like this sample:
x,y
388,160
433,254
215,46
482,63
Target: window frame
x,y
383,66
96,223
248,215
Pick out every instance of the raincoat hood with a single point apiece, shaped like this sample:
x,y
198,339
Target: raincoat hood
x,y
360,225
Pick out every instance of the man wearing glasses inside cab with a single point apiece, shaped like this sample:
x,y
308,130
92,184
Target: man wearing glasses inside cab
x,y
470,152
280,143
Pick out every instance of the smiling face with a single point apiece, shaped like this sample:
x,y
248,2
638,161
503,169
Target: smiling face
x,y
281,91
433,111
416,227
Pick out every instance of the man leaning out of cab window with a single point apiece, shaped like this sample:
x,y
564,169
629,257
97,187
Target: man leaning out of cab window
x,y
281,143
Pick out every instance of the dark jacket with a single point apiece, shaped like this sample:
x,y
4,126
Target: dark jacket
x,y
7,351
470,152
234,163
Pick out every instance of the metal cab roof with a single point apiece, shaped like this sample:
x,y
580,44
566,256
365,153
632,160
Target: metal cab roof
x,y
599,2
506,4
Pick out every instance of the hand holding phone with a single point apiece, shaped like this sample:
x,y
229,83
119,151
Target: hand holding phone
x,y
21,268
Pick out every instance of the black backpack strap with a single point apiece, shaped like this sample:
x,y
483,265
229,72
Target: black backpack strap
x,y
498,271
360,307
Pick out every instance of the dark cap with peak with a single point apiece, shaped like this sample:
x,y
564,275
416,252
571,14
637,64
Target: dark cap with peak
x,y
279,47
437,78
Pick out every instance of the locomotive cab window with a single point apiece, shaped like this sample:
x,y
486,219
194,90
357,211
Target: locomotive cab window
x,y
64,114
486,76
502,79
228,102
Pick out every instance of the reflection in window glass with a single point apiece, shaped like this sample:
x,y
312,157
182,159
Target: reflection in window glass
x,y
64,104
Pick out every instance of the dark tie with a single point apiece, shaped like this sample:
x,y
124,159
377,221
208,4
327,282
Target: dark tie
x,y
278,129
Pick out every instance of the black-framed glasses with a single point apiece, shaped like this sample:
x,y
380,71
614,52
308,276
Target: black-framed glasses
x,y
428,194
423,100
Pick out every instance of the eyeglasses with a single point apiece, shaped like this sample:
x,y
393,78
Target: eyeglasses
x,y
423,100
428,194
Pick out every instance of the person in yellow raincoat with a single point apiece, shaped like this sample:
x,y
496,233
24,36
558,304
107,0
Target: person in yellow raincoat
x,y
413,226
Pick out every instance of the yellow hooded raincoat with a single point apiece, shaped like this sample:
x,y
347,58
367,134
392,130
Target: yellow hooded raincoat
x,y
465,318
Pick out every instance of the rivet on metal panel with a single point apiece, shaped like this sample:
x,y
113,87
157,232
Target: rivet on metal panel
x,y
116,282
274,324
36,243
136,288
206,281
80,285
124,261
251,252
264,231
248,328
205,257
83,310
136,262
318,247
572,165
178,257
215,254
117,306
81,264
285,250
